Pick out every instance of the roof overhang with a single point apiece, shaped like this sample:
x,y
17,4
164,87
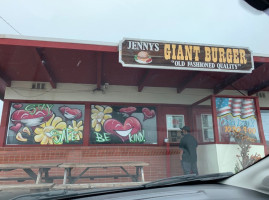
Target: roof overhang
x,y
36,59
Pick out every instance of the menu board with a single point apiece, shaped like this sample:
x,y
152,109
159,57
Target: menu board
x,y
45,124
174,123
236,115
123,125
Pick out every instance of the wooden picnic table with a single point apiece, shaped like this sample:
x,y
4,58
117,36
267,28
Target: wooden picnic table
x,y
28,169
122,165
43,168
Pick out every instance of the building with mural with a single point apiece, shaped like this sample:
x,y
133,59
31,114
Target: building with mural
x,y
77,101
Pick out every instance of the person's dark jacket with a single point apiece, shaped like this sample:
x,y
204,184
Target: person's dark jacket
x,y
188,144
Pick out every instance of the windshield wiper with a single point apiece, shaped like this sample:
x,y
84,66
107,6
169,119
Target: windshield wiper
x,y
69,194
187,178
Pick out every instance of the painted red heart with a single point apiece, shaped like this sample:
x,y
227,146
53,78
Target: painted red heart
x,y
70,113
148,114
17,106
16,128
128,110
31,120
131,126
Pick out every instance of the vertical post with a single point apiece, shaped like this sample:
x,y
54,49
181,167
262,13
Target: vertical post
x,y
259,122
168,173
99,64
39,176
142,174
160,120
4,122
215,121
65,175
190,121
87,125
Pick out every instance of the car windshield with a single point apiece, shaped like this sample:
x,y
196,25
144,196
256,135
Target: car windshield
x,y
105,94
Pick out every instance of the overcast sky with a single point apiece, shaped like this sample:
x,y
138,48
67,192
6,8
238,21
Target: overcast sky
x,y
223,22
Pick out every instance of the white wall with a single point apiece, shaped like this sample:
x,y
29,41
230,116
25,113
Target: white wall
x,y
217,158
84,92
264,102
226,155
207,159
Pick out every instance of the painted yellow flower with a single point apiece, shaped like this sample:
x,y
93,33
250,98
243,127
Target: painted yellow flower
x,y
45,131
77,128
99,115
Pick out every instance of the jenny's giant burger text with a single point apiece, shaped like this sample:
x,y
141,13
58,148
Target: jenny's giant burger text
x,y
164,55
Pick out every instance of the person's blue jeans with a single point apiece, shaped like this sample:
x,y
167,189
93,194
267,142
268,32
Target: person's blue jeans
x,y
189,167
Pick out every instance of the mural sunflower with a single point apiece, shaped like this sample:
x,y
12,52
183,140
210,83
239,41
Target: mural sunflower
x,y
77,128
45,131
99,115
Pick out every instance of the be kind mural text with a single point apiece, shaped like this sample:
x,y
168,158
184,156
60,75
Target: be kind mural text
x,y
45,124
117,124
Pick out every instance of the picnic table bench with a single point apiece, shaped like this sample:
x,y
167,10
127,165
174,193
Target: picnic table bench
x,y
32,187
43,171
28,169
122,165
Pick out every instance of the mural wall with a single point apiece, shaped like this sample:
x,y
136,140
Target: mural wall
x,y
45,124
236,115
123,124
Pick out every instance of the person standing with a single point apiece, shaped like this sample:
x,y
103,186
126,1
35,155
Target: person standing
x,y
188,145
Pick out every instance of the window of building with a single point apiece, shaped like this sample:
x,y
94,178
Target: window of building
x,y
207,128
174,123
237,116
111,124
45,124
265,123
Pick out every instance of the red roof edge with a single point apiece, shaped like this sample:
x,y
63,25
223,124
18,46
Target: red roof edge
x,y
261,59
59,44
